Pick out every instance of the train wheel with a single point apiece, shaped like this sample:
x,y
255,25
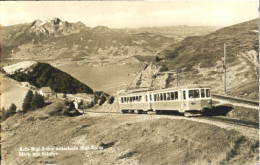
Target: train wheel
x,y
131,111
139,111
123,111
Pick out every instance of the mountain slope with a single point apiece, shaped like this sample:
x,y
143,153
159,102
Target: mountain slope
x,y
43,74
39,30
209,48
200,60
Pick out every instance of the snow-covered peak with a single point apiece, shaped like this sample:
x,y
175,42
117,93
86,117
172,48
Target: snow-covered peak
x,y
19,67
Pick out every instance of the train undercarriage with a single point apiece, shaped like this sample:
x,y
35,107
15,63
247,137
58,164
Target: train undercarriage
x,y
188,113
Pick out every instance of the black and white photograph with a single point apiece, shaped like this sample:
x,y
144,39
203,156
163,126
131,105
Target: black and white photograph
x,y
151,82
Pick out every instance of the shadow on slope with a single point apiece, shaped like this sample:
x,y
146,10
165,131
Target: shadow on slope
x,y
221,110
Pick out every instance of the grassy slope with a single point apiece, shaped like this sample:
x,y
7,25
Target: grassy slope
x,y
128,139
200,59
209,48
12,92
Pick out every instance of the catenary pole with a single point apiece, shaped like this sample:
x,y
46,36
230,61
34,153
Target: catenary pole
x,y
225,70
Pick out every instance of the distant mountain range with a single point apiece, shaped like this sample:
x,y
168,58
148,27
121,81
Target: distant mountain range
x,y
39,30
180,32
57,40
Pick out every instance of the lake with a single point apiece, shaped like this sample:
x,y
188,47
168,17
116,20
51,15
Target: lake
x,y
108,78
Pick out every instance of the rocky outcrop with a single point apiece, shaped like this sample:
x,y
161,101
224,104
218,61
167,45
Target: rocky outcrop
x,y
151,76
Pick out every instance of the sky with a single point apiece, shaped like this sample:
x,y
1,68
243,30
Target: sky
x,y
122,14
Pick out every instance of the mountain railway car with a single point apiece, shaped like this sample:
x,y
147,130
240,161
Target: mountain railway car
x,y
187,100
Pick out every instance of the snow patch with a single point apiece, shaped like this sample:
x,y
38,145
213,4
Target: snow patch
x,y
19,67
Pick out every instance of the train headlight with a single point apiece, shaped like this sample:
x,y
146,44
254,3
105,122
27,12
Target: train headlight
x,y
209,101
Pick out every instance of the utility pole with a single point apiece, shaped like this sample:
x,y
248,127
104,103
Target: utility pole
x,y
177,80
225,70
151,76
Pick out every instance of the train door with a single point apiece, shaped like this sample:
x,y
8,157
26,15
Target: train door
x,y
184,103
147,102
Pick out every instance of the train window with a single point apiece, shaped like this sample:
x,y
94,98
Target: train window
x,y
140,98
164,96
146,99
172,95
207,93
184,95
202,92
161,97
176,95
131,99
122,99
150,97
194,94
155,98
168,96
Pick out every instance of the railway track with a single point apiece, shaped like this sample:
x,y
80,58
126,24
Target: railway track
x,y
248,124
236,100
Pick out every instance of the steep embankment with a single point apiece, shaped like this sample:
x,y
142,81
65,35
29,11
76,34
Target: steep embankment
x,y
44,75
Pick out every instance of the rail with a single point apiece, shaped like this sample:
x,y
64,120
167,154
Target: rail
x,y
239,100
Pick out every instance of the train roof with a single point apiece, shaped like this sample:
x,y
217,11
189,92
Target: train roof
x,y
143,91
